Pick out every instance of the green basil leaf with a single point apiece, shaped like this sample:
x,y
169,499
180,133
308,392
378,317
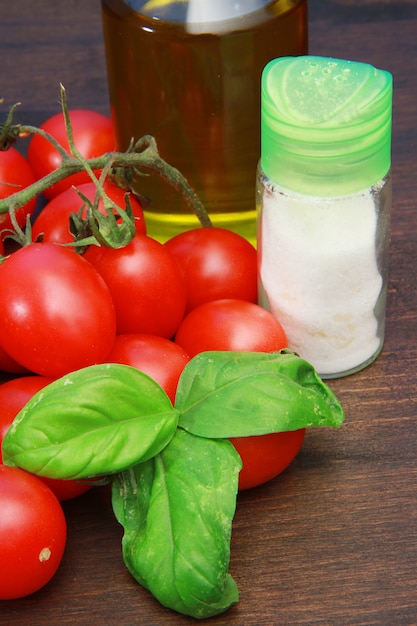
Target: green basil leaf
x,y
177,511
97,420
238,394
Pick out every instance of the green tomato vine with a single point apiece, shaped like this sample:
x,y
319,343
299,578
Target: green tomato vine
x,y
141,157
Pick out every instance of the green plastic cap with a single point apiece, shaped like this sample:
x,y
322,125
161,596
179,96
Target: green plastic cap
x,y
325,124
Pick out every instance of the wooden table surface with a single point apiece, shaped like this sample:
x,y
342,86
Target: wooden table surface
x,y
333,540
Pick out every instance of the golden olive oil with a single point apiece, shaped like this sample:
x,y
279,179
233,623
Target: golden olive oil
x,y
198,94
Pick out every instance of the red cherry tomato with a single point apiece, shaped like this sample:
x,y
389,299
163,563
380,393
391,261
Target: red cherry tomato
x,y
266,456
93,136
230,325
53,221
67,489
15,175
146,284
217,264
14,394
32,533
158,357
57,312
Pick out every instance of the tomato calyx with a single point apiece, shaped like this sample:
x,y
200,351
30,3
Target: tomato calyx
x,y
9,134
99,228
23,237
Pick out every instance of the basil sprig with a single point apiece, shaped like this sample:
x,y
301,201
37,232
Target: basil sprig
x,y
174,472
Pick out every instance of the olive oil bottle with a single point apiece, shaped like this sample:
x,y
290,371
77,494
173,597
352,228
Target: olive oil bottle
x,y
196,88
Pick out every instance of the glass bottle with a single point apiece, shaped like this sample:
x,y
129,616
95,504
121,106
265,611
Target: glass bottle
x,y
188,73
324,203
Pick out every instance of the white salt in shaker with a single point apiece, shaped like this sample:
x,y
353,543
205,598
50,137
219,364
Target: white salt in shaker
x,y
324,203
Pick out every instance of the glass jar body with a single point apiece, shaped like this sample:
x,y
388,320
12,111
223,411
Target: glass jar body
x,y
198,94
323,272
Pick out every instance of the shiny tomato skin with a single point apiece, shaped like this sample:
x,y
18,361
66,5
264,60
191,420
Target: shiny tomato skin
x,y
53,221
217,263
146,285
230,324
14,394
32,533
15,174
158,357
266,456
57,313
93,136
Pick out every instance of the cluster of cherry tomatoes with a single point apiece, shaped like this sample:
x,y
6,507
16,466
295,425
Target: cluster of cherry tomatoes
x,y
149,305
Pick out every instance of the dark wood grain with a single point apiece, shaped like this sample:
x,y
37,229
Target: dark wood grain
x,y
333,540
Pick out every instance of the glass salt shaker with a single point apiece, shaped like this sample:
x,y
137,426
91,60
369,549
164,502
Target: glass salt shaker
x,y
324,203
